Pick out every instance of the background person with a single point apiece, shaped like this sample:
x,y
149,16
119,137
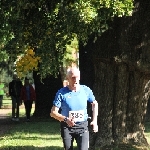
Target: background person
x,y
28,95
1,94
72,100
14,91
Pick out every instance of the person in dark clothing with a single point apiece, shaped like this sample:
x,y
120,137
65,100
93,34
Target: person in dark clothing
x,y
28,95
1,94
14,91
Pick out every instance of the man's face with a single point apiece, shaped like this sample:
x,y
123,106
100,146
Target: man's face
x,y
74,79
15,77
26,81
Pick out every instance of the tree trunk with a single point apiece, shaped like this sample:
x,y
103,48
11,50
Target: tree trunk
x,y
122,74
45,93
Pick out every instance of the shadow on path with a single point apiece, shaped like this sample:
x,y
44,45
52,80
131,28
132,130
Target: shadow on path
x,y
5,121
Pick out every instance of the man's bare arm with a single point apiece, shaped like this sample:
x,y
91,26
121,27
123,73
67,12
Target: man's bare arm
x,y
95,110
95,114
55,114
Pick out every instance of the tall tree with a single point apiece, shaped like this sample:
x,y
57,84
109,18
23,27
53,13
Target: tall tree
x,y
120,58
45,92
50,26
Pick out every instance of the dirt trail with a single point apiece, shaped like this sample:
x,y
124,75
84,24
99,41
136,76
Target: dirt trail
x,y
5,120
4,112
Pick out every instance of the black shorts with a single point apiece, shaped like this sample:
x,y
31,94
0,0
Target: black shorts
x,y
79,132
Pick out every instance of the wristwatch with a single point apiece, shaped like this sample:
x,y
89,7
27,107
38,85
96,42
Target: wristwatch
x,y
65,119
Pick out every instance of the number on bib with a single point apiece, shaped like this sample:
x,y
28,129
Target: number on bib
x,y
77,115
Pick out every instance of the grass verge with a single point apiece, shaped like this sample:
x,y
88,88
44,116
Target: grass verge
x,y
32,136
42,135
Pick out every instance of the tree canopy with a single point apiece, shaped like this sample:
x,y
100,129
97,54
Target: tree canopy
x,y
48,27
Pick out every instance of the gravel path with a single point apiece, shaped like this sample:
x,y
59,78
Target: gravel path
x,y
5,120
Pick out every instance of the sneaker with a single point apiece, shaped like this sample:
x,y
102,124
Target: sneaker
x,y
13,119
17,119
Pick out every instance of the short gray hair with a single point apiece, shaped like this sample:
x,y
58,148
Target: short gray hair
x,y
71,70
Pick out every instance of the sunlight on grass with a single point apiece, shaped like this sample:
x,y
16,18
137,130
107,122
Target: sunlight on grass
x,y
147,135
39,134
147,131
32,139
33,134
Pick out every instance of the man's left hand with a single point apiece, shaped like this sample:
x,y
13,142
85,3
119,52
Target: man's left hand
x,y
95,126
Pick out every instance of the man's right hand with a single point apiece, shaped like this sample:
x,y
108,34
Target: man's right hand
x,y
70,122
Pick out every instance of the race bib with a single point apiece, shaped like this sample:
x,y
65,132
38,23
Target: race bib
x,y
77,115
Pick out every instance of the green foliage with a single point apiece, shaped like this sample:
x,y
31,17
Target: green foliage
x,y
70,55
3,56
51,25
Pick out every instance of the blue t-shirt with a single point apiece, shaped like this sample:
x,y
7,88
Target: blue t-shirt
x,y
69,100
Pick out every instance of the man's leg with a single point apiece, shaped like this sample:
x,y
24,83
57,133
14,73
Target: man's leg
x,y
83,141
26,107
67,138
82,137
30,107
28,110
1,100
13,106
17,107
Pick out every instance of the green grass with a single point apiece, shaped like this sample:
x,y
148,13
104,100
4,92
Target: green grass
x,y
33,135
40,135
6,102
